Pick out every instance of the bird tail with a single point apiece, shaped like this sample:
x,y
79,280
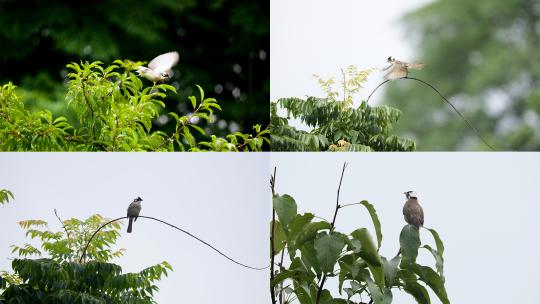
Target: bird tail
x,y
130,224
416,66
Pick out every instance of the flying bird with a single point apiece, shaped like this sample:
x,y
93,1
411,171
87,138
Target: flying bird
x,y
133,212
159,69
412,211
400,69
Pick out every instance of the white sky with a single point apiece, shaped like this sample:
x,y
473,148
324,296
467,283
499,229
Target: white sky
x,y
485,207
223,198
320,37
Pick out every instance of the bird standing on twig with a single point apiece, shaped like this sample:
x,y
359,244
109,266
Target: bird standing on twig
x,y
133,212
159,69
412,211
400,69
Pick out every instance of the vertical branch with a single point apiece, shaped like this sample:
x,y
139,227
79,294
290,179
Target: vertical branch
x,y
272,249
332,225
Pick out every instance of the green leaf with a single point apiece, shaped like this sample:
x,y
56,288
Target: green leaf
x,y
375,219
409,241
412,287
439,261
438,242
328,247
390,269
279,237
432,279
369,253
286,208
309,232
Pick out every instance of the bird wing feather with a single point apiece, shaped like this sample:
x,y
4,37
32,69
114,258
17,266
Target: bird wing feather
x,y
164,62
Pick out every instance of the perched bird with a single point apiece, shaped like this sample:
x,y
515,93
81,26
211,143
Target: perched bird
x,y
133,212
412,211
159,69
400,69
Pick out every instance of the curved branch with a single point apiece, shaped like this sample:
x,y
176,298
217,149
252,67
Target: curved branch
x,y
448,102
380,84
173,226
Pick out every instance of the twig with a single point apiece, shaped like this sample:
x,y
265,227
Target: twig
x,y
457,111
332,225
173,226
272,249
367,100
61,222
448,102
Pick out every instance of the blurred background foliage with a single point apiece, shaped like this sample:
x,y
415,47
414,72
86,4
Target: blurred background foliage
x,y
223,46
483,56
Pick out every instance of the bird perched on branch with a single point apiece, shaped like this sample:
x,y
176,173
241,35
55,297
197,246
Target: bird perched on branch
x,y
412,211
159,69
133,212
400,69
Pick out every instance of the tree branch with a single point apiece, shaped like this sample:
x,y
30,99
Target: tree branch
x,y
173,226
332,225
272,249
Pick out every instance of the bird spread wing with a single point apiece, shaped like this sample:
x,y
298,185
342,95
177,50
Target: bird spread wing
x,y
396,73
415,66
164,62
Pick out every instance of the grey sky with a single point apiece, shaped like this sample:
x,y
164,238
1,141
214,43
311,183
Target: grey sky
x,y
320,37
485,207
222,198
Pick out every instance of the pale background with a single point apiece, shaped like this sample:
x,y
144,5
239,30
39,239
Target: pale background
x,y
222,198
485,206
320,37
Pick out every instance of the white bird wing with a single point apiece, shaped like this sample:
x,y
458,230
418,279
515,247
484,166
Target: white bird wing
x,y
164,62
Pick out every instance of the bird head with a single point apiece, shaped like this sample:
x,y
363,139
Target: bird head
x,y
391,59
410,194
138,199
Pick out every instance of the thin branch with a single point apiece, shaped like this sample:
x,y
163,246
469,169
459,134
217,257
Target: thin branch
x,y
173,226
387,80
272,249
61,222
448,102
456,110
332,225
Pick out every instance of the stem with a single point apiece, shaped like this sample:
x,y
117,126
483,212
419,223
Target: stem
x,y
281,269
332,225
272,249
173,226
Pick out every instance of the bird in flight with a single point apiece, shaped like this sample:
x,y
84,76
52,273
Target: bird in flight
x,y
159,69
400,69
412,211
133,212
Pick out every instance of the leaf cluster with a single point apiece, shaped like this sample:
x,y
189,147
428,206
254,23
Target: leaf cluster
x,y
115,112
60,278
5,196
335,124
317,252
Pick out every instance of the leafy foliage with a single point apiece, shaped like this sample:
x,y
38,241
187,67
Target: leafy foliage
x,y
5,195
114,112
60,278
222,44
317,252
335,124
483,56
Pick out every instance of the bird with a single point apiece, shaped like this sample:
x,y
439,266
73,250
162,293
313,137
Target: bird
x,y
412,211
159,69
133,212
400,69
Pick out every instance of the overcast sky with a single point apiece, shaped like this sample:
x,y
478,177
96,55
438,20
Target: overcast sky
x,y
320,37
485,206
222,198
